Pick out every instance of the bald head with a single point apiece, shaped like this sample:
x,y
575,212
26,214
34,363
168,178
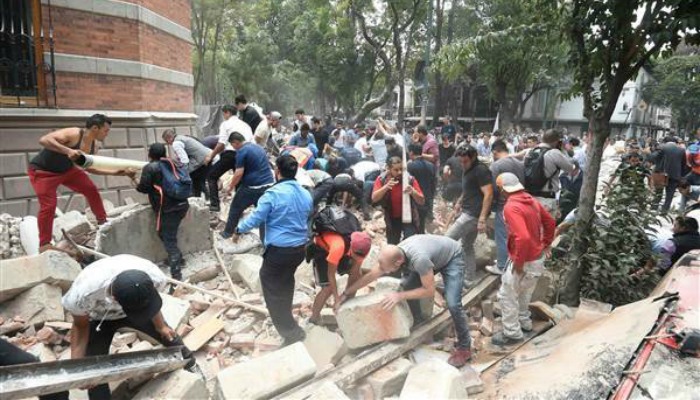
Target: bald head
x,y
390,258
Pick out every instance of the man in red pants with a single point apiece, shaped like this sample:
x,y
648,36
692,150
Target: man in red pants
x,y
53,166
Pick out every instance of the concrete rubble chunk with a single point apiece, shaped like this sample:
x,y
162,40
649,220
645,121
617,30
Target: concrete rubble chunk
x,y
484,251
123,339
433,379
175,311
324,346
20,274
266,376
544,289
388,283
178,384
544,312
73,222
589,305
472,380
42,352
134,232
363,321
388,380
567,312
246,267
37,305
328,390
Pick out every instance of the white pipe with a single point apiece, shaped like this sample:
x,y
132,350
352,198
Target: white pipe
x,y
108,163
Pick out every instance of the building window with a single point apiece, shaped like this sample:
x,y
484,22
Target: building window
x,y
22,81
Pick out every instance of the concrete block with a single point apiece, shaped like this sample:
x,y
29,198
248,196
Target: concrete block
x,y
175,311
324,346
544,289
37,305
433,380
178,384
327,390
134,232
363,321
117,138
13,164
17,208
137,137
484,250
388,283
17,187
544,312
388,380
20,274
266,376
246,267
73,222
472,380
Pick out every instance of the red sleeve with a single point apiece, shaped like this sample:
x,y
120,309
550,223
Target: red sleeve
x,y
377,184
548,226
517,229
416,186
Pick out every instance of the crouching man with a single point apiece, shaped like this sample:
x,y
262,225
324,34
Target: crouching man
x,y
420,257
114,293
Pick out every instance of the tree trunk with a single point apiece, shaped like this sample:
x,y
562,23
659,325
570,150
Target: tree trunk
x,y
371,104
472,103
570,292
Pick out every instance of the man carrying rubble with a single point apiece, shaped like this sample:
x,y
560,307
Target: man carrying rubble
x,y
420,257
114,293
53,166
284,210
530,234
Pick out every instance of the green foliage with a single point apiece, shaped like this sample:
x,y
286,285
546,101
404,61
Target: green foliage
x,y
618,250
678,86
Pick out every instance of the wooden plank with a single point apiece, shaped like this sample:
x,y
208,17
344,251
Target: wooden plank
x,y
239,303
223,266
201,335
375,358
58,324
214,310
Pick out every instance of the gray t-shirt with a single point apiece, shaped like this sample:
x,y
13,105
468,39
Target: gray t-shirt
x,y
429,252
555,161
501,166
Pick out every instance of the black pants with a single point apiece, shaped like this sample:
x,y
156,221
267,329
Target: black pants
x,y
199,181
395,228
277,280
13,355
99,342
321,191
670,190
169,225
244,198
227,162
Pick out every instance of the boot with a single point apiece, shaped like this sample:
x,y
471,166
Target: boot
x,y
175,263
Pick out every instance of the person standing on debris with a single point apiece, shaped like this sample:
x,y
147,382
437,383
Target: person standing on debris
x,y
502,163
530,234
421,257
190,153
335,250
53,166
226,153
169,211
387,191
12,355
424,172
284,210
474,205
115,293
252,178
429,145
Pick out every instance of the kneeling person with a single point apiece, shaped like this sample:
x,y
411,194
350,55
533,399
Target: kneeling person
x,y
114,293
420,257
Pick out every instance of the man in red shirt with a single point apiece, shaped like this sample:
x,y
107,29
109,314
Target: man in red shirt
x,y
431,152
387,191
332,256
530,234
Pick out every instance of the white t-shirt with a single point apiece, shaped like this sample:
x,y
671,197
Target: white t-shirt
x,y
88,295
234,124
360,169
360,146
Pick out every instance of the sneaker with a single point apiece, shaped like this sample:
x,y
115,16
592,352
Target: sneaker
x,y
527,326
459,357
499,339
494,270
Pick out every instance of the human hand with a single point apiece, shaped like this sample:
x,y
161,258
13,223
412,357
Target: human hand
x,y
207,159
409,190
481,226
74,154
167,333
548,252
390,300
130,172
391,183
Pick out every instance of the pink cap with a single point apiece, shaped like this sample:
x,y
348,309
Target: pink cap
x,y
360,243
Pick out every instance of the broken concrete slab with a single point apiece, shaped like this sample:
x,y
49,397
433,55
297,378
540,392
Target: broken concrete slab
x,y
266,376
544,289
484,251
324,346
472,380
433,379
246,267
328,390
175,311
178,384
388,283
589,305
388,380
134,232
567,312
363,321
20,274
544,312
37,305
73,222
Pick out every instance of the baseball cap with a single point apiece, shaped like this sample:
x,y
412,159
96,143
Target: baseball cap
x,y
509,182
360,243
134,291
275,115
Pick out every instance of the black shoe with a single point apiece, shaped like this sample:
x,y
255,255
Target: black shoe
x,y
298,337
499,339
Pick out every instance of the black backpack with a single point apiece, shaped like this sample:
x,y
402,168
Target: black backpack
x,y
336,219
535,178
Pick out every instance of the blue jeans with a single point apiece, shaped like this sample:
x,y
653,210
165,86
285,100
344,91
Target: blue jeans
x,y
501,236
244,198
452,276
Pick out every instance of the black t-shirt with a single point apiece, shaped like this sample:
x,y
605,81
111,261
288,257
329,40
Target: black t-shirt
x,y
449,131
424,172
251,117
446,153
477,176
456,170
